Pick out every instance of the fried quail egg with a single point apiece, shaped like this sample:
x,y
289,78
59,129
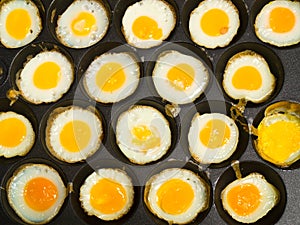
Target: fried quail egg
x,y
214,23
112,77
16,134
279,139
45,77
176,195
73,133
179,78
107,193
278,23
213,137
36,193
147,23
20,23
143,134
84,23
250,198
247,76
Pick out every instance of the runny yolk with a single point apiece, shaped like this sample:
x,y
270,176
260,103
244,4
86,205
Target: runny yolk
x,y
215,22
215,134
47,75
75,136
181,76
40,194
244,199
18,23
279,140
146,28
282,20
110,77
83,24
175,196
247,78
145,137
12,132
108,196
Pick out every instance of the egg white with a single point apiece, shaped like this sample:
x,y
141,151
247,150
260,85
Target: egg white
x,y
253,59
153,120
36,23
268,193
131,70
266,34
64,30
198,185
36,95
200,37
201,152
118,176
166,61
158,10
56,122
15,195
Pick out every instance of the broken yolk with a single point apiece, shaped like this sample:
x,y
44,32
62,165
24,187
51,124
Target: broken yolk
x,y
145,137
83,24
181,76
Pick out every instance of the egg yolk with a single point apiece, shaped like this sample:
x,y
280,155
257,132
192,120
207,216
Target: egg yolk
x,y
215,133
244,199
18,23
175,196
47,75
108,196
181,76
215,22
110,77
83,24
12,132
75,136
247,78
279,140
146,28
145,137
282,20
40,194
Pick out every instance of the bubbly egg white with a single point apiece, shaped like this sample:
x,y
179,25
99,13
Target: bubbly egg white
x,y
88,33
154,146
167,89
159,11
15,192
11,38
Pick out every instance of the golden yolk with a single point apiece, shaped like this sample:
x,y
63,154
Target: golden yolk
x,y
108,196
279,140
181,76
215,22
40,194
12,132
83,24
146,28
247,78
18,24
145,137
244,199
75,136
110,77
47,75
215,134
282,20
175,196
